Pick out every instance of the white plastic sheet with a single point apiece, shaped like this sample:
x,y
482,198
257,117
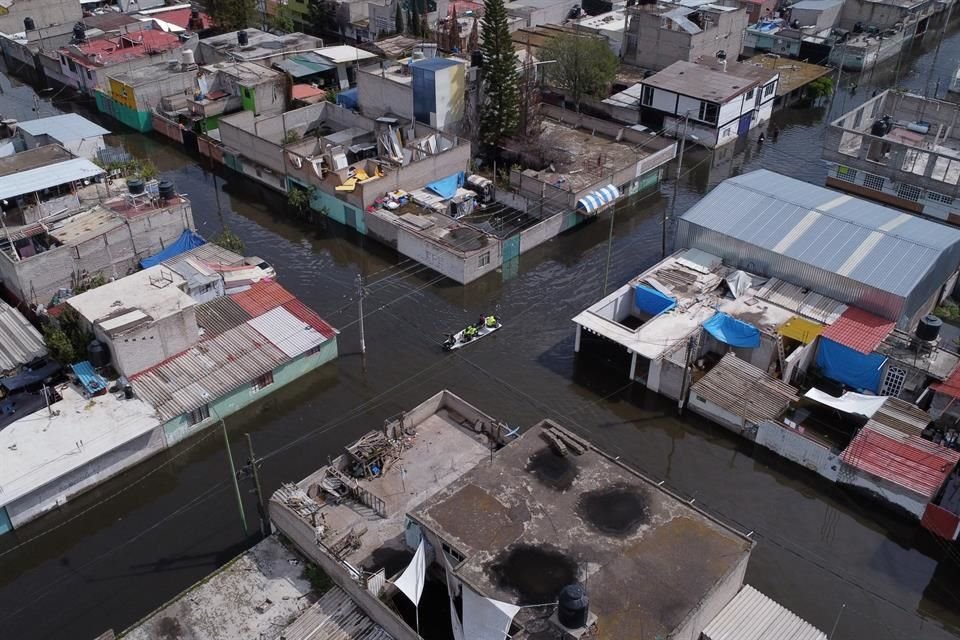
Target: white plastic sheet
x,y
849,402
414,576
486,618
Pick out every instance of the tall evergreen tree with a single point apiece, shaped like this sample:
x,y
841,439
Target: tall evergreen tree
x,y
414,17
500,110
398,18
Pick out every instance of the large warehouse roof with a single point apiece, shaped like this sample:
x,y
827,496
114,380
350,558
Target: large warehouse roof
x,y
866,242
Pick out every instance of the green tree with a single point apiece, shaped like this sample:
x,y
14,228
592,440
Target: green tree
x,y
822,87
230,241
584,66
500,109
231,15
414,22
323,17
282,19
59,345
299,199
66,338
398,18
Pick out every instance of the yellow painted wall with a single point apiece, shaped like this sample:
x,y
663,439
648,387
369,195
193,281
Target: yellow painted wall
x,y
123,94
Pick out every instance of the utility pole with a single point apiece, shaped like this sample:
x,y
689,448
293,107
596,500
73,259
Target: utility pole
x,y
233,476
254,465
676,188
363,340
686,375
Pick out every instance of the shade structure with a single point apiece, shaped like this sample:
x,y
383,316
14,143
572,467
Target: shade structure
x,y
592,202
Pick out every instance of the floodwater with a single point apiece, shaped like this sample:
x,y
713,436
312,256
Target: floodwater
x,y
111,556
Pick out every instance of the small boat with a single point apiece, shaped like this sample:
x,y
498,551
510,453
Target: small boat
x,y
465,336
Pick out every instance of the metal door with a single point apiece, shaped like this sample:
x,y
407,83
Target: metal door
x,y
744,126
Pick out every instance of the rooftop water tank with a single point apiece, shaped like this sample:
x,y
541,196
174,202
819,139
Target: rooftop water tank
x,y
242,38
135,186
573,606
929,328
97,354
29,24
166,190
79,32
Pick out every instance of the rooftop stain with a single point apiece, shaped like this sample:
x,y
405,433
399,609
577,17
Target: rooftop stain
x,y
536,573
615,510
553,470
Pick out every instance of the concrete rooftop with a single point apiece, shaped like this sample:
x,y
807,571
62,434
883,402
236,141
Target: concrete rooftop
x,y
155,291
39,448
533,521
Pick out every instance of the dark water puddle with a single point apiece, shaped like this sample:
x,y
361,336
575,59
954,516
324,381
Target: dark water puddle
x,y
536,573
553,470
614,510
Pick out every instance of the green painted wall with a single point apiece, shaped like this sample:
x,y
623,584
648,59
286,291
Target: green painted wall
x,y
336,209
139,120
178,429
249,98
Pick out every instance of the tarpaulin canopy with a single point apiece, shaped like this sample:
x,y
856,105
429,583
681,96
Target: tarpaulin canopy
x,y
849,366
649,300
596,199
800,329
446,188
739,281
348,98
849,402
188,240
486,618
733,332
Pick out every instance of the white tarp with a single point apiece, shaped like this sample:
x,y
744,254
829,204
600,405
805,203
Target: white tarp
x,y
740,281
413,577
486,618
849,402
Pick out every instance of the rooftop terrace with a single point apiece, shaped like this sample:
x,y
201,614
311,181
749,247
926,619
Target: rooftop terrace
x,y
532,521
154,292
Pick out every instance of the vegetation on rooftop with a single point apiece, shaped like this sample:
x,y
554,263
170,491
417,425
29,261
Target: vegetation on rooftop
x,y
948,310
319,581
66,337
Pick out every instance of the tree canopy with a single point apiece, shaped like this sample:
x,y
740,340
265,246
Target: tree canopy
x,y
580,65
231,15
500,109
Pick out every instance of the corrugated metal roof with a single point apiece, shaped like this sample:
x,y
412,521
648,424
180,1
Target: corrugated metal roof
x,y
219,315
901,416
335,616
287,332
860,240
805,302
63,128
207,371
308,315
32,180
20,342
745,390
753,616
905,460
951,386
859,330
262,297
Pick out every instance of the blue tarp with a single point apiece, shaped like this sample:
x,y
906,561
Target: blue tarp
x,y
447,187
92,382
852,368
187,240
348,99
649,300
733,332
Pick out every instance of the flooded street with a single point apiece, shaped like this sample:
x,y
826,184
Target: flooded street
x,y
111,556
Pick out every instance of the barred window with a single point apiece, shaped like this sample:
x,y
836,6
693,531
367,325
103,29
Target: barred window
x,y
846,173
909,192
939,197
873,182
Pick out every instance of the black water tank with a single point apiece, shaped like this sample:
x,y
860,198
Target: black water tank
x,y
135,186
79,32
97,354
573,606
242,38
29,24
127,391
166,190
929,328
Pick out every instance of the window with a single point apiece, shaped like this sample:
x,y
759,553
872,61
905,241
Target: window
x,y
646,96
909,192
871,181
73,67
263,381
846,173
749,95
939,197
89,75
769,89
198,415
708,112
453,553
484,259
893,382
